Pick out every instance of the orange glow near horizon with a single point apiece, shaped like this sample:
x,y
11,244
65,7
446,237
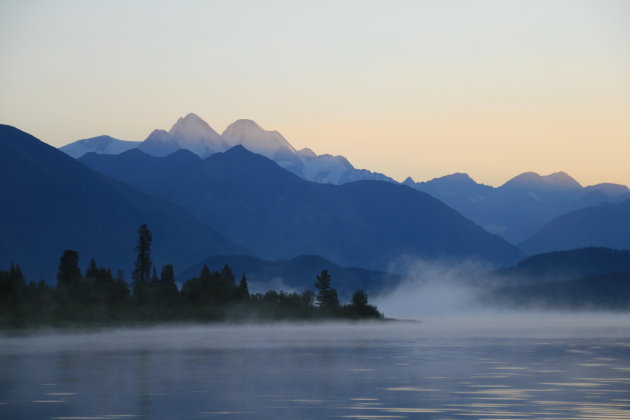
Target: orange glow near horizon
x,y
423,89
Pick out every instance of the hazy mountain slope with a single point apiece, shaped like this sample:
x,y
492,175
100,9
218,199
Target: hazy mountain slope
x,y
275,214
570,265
297,274
606,225
101,144
520,207
606,292
52,203
591,278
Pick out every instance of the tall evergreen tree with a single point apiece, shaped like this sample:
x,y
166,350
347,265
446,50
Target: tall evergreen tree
x,y
168,275
92,270
142,272
69,281
359,307
359,299
243,288
11,282
167,287
227,276
326,297
68,273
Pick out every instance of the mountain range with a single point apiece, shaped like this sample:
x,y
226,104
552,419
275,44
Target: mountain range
x,y
277,215
194,134
586,278
518,209
52,202
607,225
568,265
233,202
244,209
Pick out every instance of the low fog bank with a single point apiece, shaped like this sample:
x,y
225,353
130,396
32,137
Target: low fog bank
x,y
220,336
450,300
468,296
432,288
431,330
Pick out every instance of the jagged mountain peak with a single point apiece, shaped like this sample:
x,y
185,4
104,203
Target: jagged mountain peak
x,y
190,132
193,127
189,118
252,136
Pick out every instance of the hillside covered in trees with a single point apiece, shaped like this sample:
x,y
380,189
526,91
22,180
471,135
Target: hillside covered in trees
x,y
100,297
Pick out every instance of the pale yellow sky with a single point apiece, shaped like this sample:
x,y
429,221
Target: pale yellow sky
x,y
421,88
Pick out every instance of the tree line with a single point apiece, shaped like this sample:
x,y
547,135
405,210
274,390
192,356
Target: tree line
x,y
98,296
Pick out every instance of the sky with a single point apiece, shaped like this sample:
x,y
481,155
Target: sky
x,y
408,88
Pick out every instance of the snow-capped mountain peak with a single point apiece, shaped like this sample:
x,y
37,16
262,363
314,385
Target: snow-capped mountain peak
x,y
256,139
193,133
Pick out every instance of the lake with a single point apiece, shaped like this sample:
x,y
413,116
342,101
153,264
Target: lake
x,y
438,369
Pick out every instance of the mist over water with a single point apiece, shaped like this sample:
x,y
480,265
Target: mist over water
x,y
460,360
431,288
441,368
448,297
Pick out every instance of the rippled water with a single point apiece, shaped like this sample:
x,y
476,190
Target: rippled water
x,y
382,371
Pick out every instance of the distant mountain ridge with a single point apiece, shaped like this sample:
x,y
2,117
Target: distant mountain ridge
x,y
100,144
193,133
569,265
277,215
592,278
53,202
520,207
516,210
604,225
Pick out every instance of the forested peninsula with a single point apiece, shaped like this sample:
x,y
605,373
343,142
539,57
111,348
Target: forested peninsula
x,y
100,297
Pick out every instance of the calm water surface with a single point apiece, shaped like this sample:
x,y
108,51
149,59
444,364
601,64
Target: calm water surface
x,y
383,371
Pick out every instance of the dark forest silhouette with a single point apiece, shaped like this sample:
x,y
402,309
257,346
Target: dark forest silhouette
x,y
97,296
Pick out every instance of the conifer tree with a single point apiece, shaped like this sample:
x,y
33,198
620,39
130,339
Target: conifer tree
x,y
11,283
142,272
227,276
92,270
326,296
168,288
69,273
243,288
